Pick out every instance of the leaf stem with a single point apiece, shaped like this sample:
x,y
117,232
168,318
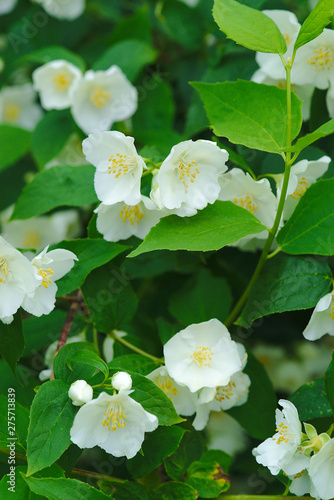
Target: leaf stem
x,y
134,348
272,232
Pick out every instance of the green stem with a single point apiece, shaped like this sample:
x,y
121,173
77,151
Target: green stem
x,y
272,232
134,348
19,456
94,475
96,341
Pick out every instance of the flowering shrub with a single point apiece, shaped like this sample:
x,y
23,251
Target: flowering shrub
x,y
166,249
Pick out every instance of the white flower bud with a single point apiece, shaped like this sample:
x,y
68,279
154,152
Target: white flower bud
x,y
80,392
122,381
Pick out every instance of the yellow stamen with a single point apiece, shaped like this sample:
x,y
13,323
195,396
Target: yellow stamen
x,y
121,164
61,81
284,435
287,38
131,213
167,386
46,274
3,270
99,97
300,189
31,239
114,418
187,172
11,112
200,355
322,59
225,391
247,203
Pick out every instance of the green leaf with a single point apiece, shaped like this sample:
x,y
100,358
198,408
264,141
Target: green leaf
x,y
325,129
109,297
41,331
310,228
191,448
66,489
248,27
13,416
311,401
14,143
182,24
286,284
50,136
52,52
174,490
91,253
80,371
141,55
209,474
156,446
71,186
329,382
90,358
124,491
203,297
153,399
21,489
250,113
134,362
12,341
211,229
314,24
257,415
51,418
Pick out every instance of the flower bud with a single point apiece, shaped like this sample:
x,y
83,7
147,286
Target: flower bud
x,y
122,381
80,392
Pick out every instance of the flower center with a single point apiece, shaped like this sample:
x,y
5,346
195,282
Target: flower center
x,y
131,213
300,189
11,112
332,312
121,164
3,270
99,97
300,474
167,386
202,356
31,239
322,59
225,391
114,418
46,274
284,435
61,82
287,38
187,172
247,203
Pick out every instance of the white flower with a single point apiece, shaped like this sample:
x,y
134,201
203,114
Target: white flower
x,y
101,98
155,195
18,279
188,177
288,25
53,81
7,6
277,452
202,356
80,392
64,9
322,319
121,381
314,62
330,100
50,266
71,154
183,400
37,232
300,483
18,106
118,167
321,471
303,174
225,433
235,393
120,221
108,345
116,424
50,355
304,92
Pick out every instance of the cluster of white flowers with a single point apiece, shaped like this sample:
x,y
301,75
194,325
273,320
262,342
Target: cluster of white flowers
x,y
116,423
18,106
63,9
306,458
313,65
30,284
97,98
203,371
